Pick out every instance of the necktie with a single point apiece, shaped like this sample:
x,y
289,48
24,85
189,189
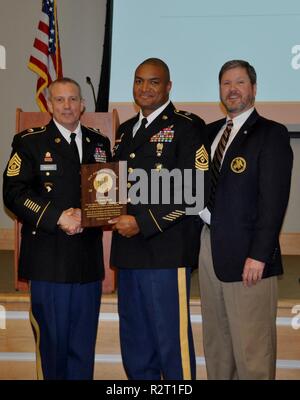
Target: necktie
x,y
141,128
74,147
216,164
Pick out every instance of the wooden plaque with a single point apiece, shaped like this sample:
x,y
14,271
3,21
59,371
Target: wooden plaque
x,y
103,192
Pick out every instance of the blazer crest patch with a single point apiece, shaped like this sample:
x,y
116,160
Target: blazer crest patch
x,y
238,165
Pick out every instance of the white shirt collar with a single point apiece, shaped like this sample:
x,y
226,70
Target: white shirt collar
x,y
150,117
153,115
240,119
238,122
66,132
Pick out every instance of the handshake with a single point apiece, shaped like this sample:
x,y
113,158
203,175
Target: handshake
x,y
70,221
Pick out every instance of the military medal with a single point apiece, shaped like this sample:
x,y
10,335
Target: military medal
x,y
166,135
159,149
99,155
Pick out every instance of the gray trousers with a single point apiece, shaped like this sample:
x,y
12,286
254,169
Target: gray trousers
x,y
239,323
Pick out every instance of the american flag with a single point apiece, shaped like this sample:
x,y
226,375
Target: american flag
x,y
45,59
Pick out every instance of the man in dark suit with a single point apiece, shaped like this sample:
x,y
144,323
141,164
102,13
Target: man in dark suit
x,y
246,199
154,247
63,262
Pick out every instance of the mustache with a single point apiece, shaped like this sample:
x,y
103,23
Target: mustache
x,y
233,93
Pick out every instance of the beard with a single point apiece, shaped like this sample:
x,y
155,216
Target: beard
x,y
239,106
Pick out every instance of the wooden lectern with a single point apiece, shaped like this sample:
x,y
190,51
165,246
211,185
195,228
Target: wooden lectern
x,y
108,123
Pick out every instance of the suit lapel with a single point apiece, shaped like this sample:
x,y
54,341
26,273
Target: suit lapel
x,y
216,129
244,132
124,138
62,147
88,147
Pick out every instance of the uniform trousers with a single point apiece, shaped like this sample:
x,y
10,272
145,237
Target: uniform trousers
x,y
239,323
64,317
155,329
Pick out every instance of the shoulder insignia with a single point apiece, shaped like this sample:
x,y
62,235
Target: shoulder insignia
x,y
33,131
119,140
183,114
117,143
201,159
14,165
96,130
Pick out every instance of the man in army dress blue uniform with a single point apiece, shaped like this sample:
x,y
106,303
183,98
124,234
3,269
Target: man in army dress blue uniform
x,y
63,262
155,246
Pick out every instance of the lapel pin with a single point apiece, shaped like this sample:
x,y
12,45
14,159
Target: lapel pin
x,y
57,140
88,139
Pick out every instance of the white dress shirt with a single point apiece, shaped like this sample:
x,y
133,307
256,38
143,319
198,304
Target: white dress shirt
x,y
66,134
150,117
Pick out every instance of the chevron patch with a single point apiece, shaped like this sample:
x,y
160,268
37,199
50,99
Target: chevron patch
x,y
201,160
14,165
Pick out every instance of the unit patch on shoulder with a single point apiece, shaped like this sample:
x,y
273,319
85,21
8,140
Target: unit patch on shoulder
x,y
14,165
201,159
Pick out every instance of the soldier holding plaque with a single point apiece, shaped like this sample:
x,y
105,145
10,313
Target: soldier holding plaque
x,y
155,246
63,261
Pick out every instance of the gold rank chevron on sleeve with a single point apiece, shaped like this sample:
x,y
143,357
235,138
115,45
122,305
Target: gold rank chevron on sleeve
x,y
202,159
20,191
14,165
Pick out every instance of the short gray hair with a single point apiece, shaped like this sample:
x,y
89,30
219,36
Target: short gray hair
x,y
63,81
